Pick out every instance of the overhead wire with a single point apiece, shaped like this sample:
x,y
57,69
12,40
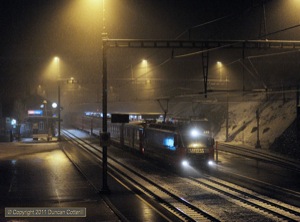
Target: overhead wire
x,y
250,58
202,51
172,52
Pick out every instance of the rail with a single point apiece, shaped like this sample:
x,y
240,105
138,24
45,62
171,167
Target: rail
x,y
262,155
182,208
172,194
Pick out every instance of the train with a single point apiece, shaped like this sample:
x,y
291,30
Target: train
x,y
182,143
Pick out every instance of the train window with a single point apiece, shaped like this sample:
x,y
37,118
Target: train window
x,y
169,143
41,125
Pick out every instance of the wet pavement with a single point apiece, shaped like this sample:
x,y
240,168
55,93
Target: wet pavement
x,y
40,175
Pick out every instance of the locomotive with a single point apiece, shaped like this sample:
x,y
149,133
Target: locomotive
x,y
186,142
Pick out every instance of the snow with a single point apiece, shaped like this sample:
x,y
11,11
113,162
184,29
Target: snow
x,y
276,115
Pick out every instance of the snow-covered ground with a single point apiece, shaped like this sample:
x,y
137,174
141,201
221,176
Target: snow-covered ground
x,y
276,115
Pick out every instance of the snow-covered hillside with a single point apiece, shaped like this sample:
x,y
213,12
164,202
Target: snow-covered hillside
x,y
276,115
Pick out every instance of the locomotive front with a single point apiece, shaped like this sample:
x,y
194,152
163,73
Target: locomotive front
x,y
198,142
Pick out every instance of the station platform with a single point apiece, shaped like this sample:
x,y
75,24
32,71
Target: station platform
x,y
59,184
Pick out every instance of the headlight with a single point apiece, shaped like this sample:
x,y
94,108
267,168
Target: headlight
x,y
211,163
195,133
185,163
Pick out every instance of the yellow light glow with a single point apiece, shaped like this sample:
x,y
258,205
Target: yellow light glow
x,y
53,69
197,148
58,157
85,15
220,68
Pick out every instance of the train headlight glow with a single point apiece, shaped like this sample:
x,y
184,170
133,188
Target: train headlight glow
x,y
211,163
185,163
195,133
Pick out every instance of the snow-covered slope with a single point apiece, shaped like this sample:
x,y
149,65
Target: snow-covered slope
x,y
276,115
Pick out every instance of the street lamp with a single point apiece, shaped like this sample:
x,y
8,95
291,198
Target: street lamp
x,y
220,65
227,110
54,105
145,64
104,136
46,112
56,59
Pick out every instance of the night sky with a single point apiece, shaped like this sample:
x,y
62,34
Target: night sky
x,y
34,31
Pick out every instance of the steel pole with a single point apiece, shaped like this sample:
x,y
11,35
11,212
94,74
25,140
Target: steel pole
x,y
258,146
104,188
59,109
227,111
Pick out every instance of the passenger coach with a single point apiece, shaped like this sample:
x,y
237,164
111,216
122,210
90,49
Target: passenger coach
x,y
186,142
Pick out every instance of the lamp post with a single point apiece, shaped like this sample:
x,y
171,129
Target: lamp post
x,y
46,114
104,136
220,66
145,63
227,110
220,69
258,146
58,96
58,109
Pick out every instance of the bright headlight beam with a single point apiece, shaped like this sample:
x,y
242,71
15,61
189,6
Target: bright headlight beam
x,y
195,133
185,163
211,163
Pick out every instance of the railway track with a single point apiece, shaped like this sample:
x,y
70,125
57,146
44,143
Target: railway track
x,y
182,196
249,199
174,203
261,155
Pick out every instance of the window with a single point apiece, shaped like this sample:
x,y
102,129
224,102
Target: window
x,y
41,125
